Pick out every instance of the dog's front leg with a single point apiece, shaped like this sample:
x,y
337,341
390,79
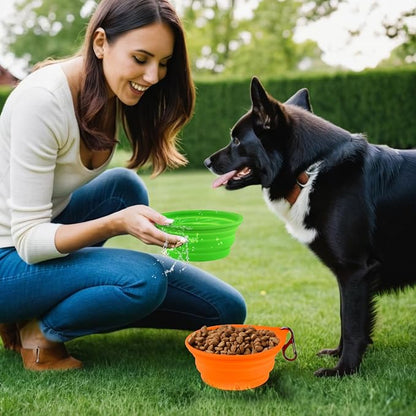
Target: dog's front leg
x,y
357,316
334,352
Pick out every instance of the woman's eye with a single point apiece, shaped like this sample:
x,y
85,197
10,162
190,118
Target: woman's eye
x,y
139,61
236,141
165,63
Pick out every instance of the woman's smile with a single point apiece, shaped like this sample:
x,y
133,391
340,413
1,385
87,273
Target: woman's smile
x,y
137,87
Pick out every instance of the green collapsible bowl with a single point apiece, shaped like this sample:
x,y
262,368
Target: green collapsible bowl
x,y
210,233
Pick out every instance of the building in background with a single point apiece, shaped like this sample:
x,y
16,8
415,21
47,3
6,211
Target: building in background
x,y
6,78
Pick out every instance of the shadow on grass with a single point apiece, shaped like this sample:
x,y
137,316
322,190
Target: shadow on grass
x,y
155,366
149,348
148,353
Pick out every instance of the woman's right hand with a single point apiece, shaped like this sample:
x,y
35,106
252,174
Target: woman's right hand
x,y
139,221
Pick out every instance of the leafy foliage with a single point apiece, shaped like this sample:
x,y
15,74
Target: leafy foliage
x,y
378,103
316,9
271,49
223,43
48,28
220,40
212,28
403,28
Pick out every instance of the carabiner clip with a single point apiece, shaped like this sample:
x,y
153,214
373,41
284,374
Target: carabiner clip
x,y
290,342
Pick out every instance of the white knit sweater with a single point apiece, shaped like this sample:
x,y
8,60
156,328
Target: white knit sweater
x,y
40,164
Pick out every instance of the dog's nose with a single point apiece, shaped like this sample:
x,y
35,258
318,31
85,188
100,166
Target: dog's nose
x,y
207,162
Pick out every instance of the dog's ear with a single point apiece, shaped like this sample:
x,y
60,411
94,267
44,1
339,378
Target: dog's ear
x,y
265,109
301,99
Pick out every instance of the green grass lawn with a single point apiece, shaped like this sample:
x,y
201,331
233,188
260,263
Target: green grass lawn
x,y
150,372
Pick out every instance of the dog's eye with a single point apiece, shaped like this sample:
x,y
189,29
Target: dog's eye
x,y
236,141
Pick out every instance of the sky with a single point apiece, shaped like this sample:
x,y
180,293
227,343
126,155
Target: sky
x,y
331,34
366,50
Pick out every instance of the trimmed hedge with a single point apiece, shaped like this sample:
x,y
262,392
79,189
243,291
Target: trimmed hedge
x,y
379,103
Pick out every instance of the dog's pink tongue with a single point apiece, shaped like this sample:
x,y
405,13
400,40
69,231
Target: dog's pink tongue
x,y
223,179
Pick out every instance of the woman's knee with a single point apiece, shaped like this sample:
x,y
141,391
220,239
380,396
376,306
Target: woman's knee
x,y
145,287
234,310
129,185
130,283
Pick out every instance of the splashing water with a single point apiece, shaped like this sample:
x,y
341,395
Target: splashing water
x,y
182,255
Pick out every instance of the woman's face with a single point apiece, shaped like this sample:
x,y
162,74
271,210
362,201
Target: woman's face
x,y
136,60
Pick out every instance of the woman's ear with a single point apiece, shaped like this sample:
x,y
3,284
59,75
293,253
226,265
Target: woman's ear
x,y
98,42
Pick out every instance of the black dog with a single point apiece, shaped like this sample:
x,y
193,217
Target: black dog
x,y
352,203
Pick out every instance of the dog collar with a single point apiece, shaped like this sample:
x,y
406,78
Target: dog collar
x,y
302,181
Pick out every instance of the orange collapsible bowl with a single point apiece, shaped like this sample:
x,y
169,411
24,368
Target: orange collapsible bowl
x,y
241,372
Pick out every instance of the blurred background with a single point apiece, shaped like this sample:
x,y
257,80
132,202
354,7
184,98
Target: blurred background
x,y
232,37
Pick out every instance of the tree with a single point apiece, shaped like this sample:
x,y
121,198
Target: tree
x,y
316,9
47,28
405,28
271,48
211,28
402,28
262,43
219,41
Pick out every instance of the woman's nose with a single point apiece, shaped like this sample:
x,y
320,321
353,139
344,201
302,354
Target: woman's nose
x,y
152,74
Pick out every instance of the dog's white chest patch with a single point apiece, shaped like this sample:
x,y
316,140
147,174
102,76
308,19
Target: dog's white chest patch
x,y
294,215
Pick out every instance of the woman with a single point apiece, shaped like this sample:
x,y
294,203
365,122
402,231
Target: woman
x,y
59,204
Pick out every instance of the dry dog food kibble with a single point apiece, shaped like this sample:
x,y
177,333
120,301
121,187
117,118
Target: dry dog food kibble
x,y
231,340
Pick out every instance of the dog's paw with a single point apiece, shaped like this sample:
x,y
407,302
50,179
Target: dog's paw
x,y
334,372
335,352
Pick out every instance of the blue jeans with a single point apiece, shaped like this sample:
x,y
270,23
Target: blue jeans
x,y
100,289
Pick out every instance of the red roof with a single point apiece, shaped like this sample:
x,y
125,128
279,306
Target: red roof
x,y
6,78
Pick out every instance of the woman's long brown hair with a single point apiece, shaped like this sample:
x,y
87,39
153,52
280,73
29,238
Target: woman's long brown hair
x,y
153,123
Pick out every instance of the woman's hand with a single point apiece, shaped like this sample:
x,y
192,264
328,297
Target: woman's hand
x,y
139,221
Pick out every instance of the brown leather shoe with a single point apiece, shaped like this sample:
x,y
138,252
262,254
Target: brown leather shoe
x,y
10,336
54,358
